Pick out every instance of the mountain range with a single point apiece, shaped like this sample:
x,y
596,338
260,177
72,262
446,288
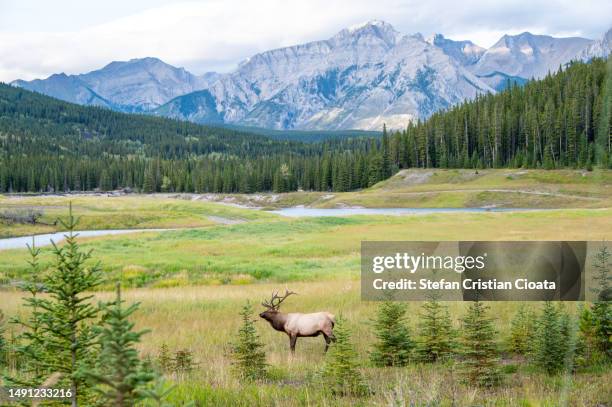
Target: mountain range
x,y
360,78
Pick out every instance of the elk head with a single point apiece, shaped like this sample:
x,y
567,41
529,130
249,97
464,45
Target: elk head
x,y
273,305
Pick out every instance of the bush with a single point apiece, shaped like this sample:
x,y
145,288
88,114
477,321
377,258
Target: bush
x,y
29,216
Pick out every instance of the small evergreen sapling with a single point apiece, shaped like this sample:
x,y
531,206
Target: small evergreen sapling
x,y
522,330
394,346
30,342
341,370
120,376
480,364
249,358
164,360
183,362
3,345
64,342
602,310
596,320
551,342
436,338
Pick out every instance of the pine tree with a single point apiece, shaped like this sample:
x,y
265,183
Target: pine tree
x,y
65,342
249,359
436,335
341,370
386,170
480,364
158,392
521,330
148,185
120,376
166,185
164,360
550,343
106,184
30,341
3,345
394,346
602,277
182,362
600,313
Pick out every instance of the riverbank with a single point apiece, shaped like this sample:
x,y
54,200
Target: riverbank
x,y
420,188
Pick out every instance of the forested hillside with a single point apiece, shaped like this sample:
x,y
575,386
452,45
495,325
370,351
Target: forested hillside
x,y
49,145
563,120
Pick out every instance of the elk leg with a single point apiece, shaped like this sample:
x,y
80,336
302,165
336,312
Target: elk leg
x,y
327,341
329,334
292,341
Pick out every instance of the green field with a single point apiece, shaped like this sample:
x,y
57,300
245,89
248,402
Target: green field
x,y
506,188
192,282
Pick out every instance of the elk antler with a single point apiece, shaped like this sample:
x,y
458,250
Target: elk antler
x,y
276,300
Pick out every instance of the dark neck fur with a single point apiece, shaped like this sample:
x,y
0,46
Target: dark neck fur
x,y
278,321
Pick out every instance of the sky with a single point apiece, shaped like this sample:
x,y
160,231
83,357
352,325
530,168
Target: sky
x,y
41,37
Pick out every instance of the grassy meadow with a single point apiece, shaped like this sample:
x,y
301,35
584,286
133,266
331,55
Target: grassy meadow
x,y
192,281
204,318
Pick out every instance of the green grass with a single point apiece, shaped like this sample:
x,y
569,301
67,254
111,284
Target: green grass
x,y
510,188
303,249
194,281
203,319
416,188
122,212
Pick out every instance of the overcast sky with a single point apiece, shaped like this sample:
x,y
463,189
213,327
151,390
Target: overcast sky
x,y
41,37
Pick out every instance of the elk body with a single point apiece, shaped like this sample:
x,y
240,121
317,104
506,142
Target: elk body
x,y
296,324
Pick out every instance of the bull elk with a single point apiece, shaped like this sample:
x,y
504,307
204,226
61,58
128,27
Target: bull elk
x,y
296,324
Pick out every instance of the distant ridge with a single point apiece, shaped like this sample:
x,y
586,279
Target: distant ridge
x,y
360,78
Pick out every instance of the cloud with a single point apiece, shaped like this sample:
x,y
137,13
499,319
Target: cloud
x,y
217,34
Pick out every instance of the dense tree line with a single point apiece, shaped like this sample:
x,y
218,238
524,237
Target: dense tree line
x,y
50,145
563,120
